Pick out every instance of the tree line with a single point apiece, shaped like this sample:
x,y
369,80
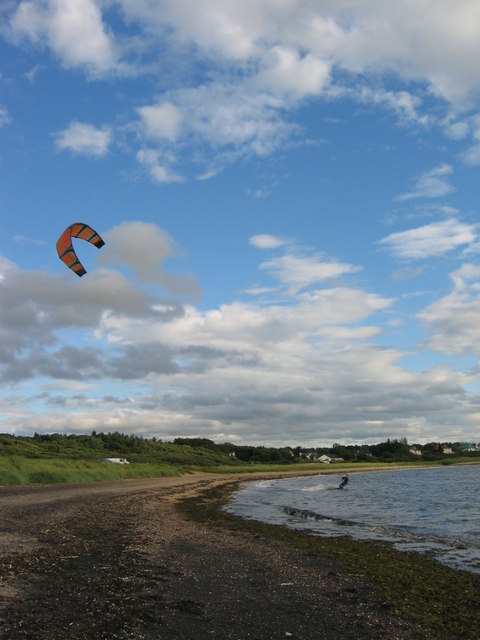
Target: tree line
x,y
204,451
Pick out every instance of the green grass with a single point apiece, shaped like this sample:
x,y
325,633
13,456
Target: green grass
x,y
21,470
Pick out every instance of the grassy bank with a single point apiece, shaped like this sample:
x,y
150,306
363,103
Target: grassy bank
x,y
21,470
58,457
444,602
15,469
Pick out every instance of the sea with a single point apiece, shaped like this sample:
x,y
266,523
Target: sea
x,y
435,511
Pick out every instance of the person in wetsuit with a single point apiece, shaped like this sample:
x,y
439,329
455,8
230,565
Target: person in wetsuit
x,y
344,481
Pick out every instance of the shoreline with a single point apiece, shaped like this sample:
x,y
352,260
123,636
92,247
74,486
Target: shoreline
x,y
442,602
154,559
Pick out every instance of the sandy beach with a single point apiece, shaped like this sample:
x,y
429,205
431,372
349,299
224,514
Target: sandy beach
x,y
123,560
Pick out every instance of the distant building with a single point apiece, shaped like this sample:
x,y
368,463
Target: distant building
x,y
116,460
415,452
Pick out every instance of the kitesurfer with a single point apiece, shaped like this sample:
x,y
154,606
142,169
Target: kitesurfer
x,y
344,481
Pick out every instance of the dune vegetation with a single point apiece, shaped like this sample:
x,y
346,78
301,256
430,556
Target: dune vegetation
x,y
56,458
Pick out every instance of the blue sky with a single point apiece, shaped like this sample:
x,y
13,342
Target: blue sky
x,y
288,192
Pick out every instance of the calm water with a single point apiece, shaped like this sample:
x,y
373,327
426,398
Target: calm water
x,y
434,511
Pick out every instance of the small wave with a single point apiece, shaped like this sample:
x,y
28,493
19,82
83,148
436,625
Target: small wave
x,y
307,514
317,487
264,484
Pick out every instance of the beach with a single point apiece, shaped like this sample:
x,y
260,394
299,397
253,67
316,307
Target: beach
x,y
147,560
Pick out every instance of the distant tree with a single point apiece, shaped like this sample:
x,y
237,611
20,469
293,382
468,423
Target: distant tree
x,y
398,449
342,451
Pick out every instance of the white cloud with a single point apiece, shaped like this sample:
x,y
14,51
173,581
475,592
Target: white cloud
x,y
431,240
84,139
159,172
432,184
453,319
4,117
457,130
303,370
219,121
33,73
406,106
289,72
226,29
437,43
301,366
140,245
5,266
471,156
162,121
266,241
19,239
260,192
144,247
73,29
299,272
207,175
230,116
242,70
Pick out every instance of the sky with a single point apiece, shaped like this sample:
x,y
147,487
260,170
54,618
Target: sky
x,y
288,195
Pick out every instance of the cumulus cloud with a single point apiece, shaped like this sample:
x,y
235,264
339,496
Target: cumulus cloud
x,y
144,247
306,365
278,56
221,121
72,29
306,369
431,240
162,121
290,73
242,72
84,139
228,115
453,320
415,41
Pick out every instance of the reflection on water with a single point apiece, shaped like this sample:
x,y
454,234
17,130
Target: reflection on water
x,y
435,511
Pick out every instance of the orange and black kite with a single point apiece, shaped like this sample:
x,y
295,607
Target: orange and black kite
x,y
65,249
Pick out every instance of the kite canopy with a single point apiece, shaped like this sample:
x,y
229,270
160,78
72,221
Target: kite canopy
x,y
65,249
